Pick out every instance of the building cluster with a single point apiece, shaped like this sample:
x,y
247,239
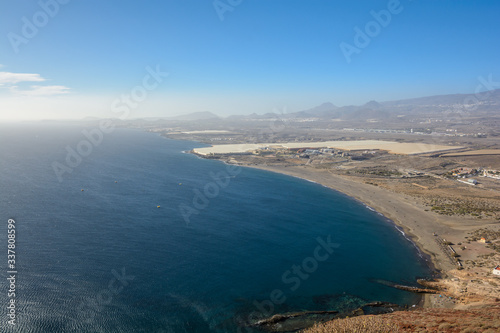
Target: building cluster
x,y
495,174
464,172
307,152
472,172
465,175
328,153
301,152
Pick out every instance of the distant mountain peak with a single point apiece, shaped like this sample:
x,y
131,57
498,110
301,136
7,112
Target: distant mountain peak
x,y
327,105
372,105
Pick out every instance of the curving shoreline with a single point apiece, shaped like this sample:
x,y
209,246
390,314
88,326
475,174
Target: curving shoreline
x,y
417,224
420,225
456,285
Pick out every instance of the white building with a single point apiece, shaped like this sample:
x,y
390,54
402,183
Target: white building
x,y
496,271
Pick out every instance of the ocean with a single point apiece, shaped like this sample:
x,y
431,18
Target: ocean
x,y
126,232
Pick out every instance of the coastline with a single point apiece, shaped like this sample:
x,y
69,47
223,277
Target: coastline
x,y
459,284
463,288
417,224
450,242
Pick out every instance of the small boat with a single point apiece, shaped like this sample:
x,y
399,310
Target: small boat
x,y
158,206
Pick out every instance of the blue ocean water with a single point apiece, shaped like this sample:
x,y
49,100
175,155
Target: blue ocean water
x,y
224,244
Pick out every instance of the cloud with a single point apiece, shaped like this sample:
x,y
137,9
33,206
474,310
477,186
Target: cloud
x,y
40,90
9,81
13,78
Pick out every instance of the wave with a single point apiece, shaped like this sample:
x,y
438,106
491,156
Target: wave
x,y
419,251
400,229
372,209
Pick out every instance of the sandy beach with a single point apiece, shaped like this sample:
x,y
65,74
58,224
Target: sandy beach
x,y
424,227
417,223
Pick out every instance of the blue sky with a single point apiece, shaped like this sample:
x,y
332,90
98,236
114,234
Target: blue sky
x,y
237,56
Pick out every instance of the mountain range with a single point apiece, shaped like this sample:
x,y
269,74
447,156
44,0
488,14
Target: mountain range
x,y
485,103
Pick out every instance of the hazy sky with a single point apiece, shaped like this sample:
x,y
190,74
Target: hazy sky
x,y
78,58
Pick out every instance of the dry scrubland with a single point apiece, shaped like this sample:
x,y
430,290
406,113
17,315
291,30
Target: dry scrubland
x,y
355,325
420,320
442,196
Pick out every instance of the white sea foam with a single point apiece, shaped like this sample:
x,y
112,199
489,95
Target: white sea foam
x,y
373,210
